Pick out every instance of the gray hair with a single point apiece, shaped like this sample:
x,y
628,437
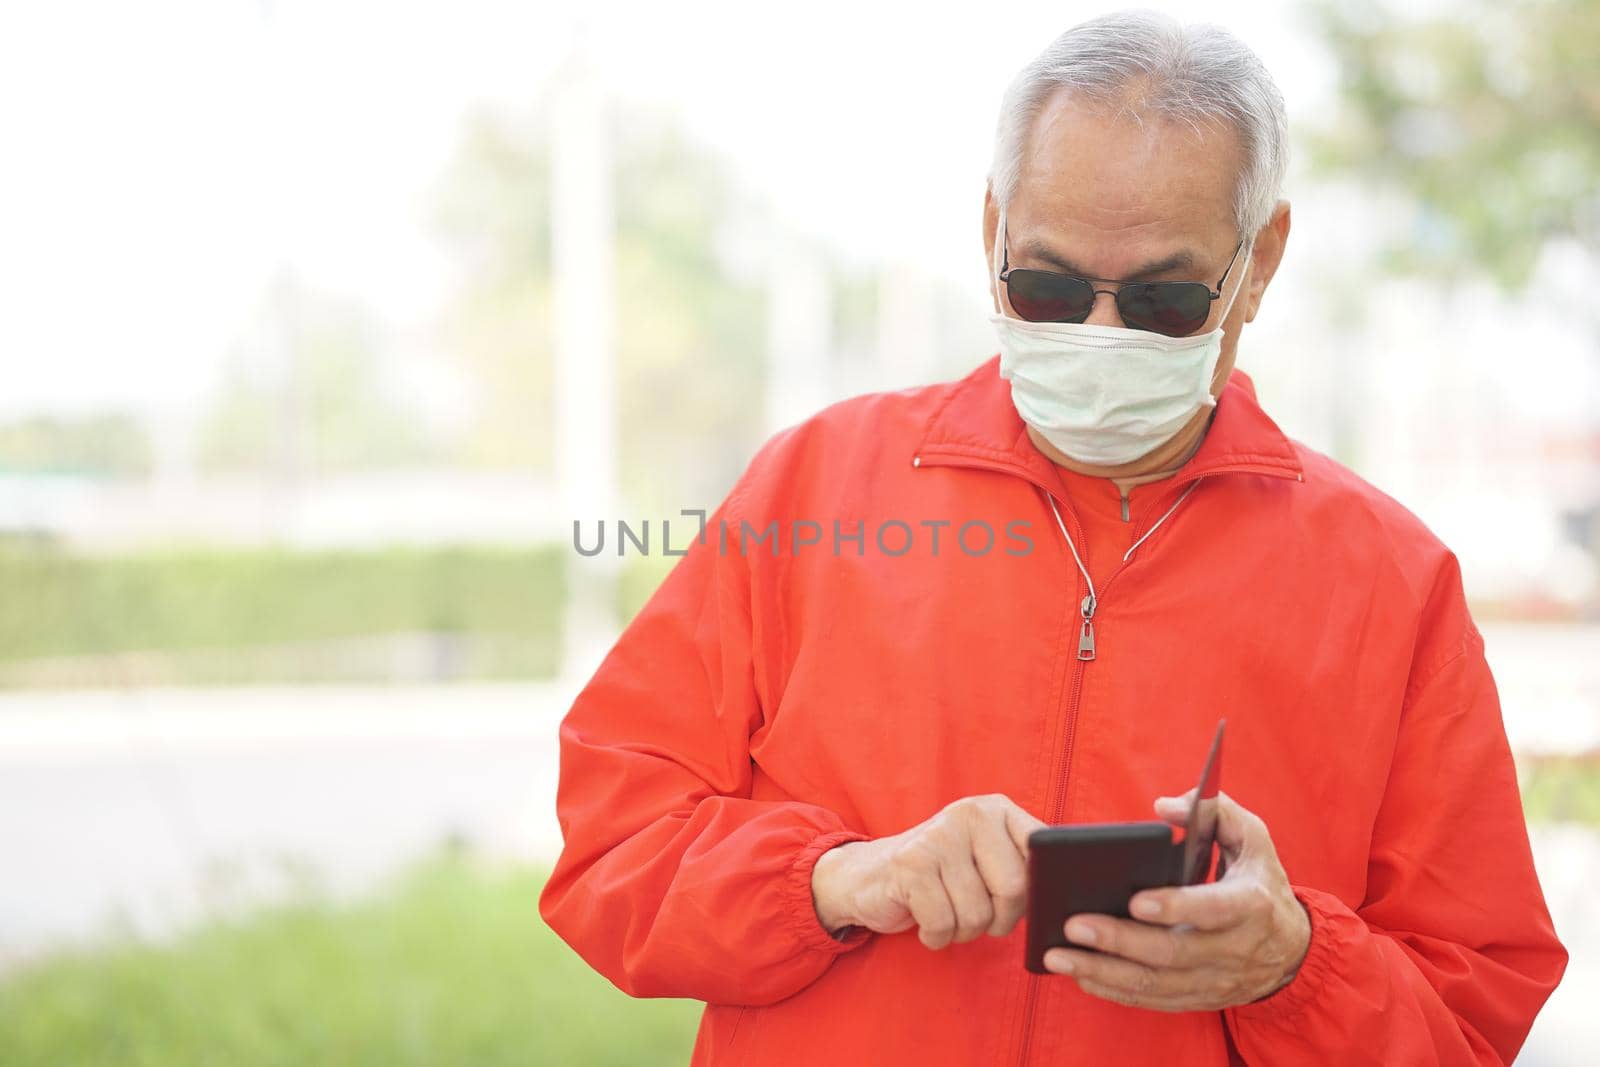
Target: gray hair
x,y
1196,74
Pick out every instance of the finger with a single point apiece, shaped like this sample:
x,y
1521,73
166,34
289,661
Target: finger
x,y
1155,946
1134,981
1004,872
930,907
1189,1002
969,898
1176,809
1211,906
1020,822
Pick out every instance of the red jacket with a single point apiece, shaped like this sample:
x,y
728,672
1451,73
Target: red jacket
x,y
849,681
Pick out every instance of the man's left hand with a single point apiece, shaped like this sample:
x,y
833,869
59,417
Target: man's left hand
x,y
1203,947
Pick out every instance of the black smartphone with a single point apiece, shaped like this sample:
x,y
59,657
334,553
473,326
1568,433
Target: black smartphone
x,y
1098,867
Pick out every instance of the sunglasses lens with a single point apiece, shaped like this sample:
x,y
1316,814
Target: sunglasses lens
x,y
1040,296
1176,309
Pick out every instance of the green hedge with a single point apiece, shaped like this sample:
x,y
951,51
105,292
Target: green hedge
x,y
204,616
59,604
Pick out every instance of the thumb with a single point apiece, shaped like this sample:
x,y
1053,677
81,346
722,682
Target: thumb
x,y
1175,810
1239,831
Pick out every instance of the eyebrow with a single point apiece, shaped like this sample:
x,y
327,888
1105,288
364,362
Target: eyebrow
x,y
1183,260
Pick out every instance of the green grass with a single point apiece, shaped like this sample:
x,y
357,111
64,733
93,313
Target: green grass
x,y
452,966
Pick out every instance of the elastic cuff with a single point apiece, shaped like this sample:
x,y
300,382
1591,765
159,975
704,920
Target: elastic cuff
x,y
1308,981
800,906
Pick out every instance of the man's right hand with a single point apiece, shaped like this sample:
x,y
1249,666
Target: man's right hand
x,y
960,874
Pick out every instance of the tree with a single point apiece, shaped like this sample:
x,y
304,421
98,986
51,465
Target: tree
x,y
1488,121
690,342
1489,118
306,396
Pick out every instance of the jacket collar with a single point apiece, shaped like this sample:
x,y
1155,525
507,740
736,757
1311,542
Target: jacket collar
x,y
978,426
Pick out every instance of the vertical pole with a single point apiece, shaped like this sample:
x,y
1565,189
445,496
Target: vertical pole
x,y
582,240
799,329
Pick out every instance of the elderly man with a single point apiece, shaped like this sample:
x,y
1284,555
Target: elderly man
x,y
800,787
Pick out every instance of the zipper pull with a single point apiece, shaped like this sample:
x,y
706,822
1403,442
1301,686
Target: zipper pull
x,y
1086,637
1124,507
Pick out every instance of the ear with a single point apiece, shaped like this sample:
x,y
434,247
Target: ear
x,y
1265,257
991,219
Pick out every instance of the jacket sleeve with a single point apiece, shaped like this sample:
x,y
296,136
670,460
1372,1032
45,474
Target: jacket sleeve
x,y
1451,954
672,881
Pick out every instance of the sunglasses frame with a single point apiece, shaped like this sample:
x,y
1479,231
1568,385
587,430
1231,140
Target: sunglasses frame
x,y
1006,271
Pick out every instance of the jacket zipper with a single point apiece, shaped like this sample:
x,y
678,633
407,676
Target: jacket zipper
x,y
1086,650
1030,995
1086,654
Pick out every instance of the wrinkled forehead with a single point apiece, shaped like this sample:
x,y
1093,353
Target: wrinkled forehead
x,y
1114,183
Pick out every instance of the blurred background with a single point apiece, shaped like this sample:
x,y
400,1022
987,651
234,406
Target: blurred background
x,y
321,322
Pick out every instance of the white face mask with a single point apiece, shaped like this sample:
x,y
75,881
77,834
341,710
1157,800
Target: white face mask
x,y
1104,395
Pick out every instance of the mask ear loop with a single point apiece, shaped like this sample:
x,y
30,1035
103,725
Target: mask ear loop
x,y
1239,285
994,262
1237,289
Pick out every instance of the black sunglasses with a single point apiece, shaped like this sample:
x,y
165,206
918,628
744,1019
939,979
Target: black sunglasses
x,y
1175,309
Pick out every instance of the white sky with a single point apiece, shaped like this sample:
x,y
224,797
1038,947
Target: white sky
x,y
161,159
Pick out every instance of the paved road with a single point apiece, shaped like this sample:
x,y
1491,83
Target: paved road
x,y
143,809
146,809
